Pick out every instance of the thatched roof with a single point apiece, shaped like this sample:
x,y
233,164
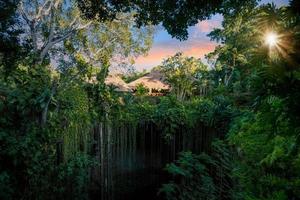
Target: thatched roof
x,y
116,81
152,80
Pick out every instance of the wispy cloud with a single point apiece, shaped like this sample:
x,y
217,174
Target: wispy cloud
x,y
197,45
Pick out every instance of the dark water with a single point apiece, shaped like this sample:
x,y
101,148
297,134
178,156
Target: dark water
x,y
143,184
133,159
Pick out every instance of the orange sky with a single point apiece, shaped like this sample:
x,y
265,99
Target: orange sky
x,y
197,45
158,52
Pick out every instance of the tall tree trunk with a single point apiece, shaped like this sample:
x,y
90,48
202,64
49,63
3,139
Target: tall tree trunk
x,y
46,108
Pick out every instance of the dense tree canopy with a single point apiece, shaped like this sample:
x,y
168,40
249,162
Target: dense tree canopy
x,y
175,16
10,48
57,115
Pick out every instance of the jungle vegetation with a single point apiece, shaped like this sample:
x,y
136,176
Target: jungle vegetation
x,y
52,51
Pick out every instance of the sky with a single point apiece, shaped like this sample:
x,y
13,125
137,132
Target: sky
x,y
197,45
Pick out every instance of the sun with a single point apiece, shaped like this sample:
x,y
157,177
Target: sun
x,y
277,45
271,39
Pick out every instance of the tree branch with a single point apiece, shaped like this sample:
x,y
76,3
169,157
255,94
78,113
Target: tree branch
x,y
41,10
23,13
50,44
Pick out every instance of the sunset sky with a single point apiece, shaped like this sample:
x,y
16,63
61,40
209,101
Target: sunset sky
x,y
197,45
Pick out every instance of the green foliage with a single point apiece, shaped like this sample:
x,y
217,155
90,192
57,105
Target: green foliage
x,y
171,115
268,147
264,133
74,120
192,174
6,189
201,176
255,85
174,16
11,51
141,90
29,151
216,112
261,94
75,173
183,74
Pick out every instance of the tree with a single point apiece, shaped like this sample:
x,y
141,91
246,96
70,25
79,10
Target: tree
x,y
49,23
239,37
183,73
267,152
175,16
10,47
57,32
114,43
263,134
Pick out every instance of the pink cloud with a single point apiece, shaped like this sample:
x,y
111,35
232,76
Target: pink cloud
x,y
159,52
208,25
200,51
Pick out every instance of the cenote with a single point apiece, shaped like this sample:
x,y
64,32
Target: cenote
x,y
133,158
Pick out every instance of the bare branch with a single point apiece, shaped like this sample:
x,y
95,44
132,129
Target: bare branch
x,y
84,26
51,31
23,13
105,46
56,4
63,37
41,11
